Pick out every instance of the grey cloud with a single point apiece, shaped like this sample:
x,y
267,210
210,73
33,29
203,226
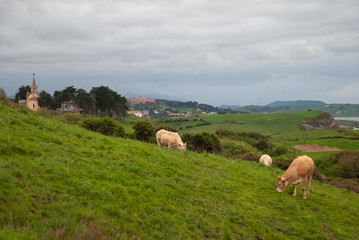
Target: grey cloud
x,y
190,49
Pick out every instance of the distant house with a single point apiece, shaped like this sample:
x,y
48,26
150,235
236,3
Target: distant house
x,y
136,113
32,96
68,106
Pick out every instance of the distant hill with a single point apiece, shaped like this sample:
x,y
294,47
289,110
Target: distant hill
x,y
336,110
295,103
229,106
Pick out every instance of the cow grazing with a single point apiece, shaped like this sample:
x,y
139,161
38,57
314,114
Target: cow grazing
x,y
266,160
300,170
170,139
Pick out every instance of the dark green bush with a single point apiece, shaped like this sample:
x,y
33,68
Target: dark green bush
x,y
249,157
73,118
144,131
106,126
201,142
262,145
348,164
256,140
232,150
278,151
328,165
282,162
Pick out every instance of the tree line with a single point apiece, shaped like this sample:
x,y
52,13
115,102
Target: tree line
x,y
100,101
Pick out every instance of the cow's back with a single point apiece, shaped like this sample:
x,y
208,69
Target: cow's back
x,y
166,137
304,166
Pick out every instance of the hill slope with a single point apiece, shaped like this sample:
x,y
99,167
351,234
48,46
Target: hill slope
x,y
295,103
58,181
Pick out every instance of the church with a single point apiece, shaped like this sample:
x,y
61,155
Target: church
x,y
32,96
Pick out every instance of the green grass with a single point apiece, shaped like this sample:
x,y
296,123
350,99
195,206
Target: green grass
x,y
263,123
58,181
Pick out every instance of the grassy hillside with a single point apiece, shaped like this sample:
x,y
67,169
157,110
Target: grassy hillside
x,y
58,181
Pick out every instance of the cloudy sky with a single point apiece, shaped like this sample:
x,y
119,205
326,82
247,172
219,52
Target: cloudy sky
x,y
237,52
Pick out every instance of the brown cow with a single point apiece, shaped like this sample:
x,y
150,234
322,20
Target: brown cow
x,y
300,170
170,139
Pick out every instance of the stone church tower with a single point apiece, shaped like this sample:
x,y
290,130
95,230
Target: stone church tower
x,y
32,96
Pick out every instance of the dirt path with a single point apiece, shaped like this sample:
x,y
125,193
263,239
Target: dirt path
x,y
315,148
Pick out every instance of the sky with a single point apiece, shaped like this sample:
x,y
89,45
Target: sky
x,y
232,52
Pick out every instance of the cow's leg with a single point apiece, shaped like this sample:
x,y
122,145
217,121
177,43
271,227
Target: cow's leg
x,y
305,180
159,144
308,185
295,190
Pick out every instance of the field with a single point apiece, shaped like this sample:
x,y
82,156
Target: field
x,y
284,129
59,181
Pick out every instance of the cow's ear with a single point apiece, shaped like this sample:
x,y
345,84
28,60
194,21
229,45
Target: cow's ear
x,y
185,144
283,180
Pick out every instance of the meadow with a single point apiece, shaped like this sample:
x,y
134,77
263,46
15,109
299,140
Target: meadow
x,y
60,181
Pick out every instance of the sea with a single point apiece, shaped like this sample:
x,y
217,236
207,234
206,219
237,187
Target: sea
x,y
347,118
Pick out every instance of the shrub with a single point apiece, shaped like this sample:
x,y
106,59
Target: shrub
x,y
144,131
257,140
73,118
328,165
46,113
278,151
249,157
348,164
262,145
106,126
233,150
282,162
200,142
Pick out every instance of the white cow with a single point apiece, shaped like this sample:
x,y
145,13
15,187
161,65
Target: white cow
x,y
170,139
266,160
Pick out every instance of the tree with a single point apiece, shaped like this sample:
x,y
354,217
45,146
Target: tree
x,y
2,96
21,93
85,101
120,106
57,100
108,102
144,131
45,100
69,94
66,95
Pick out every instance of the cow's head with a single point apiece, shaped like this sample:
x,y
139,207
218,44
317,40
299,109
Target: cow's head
x,y
182,146
281,184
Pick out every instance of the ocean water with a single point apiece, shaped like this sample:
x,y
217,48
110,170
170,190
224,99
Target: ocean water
x,y
347,118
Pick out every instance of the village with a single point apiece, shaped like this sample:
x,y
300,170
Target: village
x,y
140,107
149,108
